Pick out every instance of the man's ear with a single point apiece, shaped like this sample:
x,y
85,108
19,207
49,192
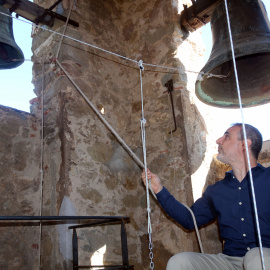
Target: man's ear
x,y
249,143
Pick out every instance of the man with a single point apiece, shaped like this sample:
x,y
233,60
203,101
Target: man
x,y
229,200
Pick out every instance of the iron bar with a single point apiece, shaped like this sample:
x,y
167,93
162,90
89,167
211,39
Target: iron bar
x,y
169,86
56,218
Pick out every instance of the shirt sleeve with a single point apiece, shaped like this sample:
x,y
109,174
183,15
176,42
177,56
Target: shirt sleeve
x,y
202,209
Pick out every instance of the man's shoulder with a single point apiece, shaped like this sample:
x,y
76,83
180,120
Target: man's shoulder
x,y
262,171
216,185
260,166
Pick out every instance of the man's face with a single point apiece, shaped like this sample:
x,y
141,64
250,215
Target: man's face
x,y
229,147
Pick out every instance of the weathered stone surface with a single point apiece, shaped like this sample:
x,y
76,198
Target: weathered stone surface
x,y
100,152
19,187
82,161
91,194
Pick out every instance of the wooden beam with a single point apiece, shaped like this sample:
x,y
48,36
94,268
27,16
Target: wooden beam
x,y
34,12
28,10
198,14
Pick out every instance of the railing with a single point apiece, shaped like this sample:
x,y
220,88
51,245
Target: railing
x,y
91,221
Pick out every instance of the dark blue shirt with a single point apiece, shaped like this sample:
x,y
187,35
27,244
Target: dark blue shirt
x,y
231,202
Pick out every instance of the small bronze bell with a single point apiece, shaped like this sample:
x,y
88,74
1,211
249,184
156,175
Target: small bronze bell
x,y
250,30
11,55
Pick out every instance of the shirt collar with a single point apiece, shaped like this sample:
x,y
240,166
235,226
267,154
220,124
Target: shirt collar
x,y
231,181
254,169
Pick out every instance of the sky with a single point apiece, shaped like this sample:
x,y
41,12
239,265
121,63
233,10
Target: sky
x,y
17,90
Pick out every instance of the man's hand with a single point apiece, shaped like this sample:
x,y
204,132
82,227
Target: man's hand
x,y
154,181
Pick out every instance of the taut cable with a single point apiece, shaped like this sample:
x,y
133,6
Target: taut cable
x,y
106,51
147,185
245,137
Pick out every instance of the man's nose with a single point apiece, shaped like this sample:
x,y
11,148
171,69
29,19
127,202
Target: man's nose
x,y
219,140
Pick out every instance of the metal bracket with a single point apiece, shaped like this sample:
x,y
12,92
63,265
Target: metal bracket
x,y
198,14
14,6
94,220
169,85
35,13
55,4
55,15
37,21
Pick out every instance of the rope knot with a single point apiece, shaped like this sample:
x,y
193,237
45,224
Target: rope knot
x,y
149,210
200,76
141,65
143,121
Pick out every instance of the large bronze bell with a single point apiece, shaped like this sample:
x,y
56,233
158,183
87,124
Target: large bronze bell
x,y
250,30
11,55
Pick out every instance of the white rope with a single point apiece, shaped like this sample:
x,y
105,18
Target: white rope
x,y
41,162
245,137
101,49
74,39
191,212
143,122
139,162
196,227
65,29
208,75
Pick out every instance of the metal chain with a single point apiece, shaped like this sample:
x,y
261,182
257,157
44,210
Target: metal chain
x,y
143,122
151,255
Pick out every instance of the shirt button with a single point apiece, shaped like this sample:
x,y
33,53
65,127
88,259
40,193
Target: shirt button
x,y
239,188
248,248
240,203
244,235
242,219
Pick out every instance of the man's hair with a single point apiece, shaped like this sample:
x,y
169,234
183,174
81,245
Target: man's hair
x,y
254,135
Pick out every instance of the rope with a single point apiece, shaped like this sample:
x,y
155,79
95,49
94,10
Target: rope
x,y
191,212
208,75
245,137
143,122
196,227
148,183
62,37
139,162
41,161
103,50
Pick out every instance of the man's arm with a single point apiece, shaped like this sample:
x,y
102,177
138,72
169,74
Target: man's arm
x,y
202,209
172,207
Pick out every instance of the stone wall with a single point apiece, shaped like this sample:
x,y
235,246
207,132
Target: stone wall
x,y
19,187
86,171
